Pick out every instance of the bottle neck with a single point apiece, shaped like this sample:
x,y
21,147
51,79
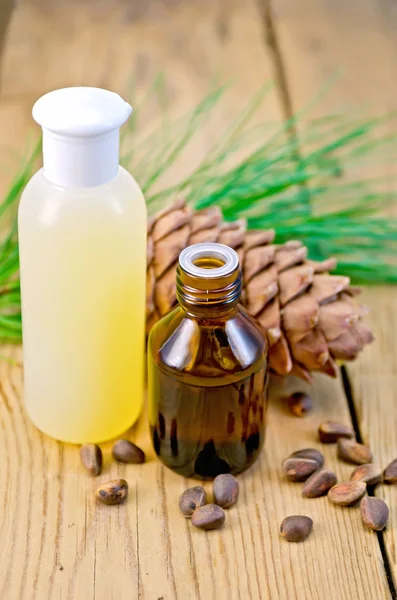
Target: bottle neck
x,y
202,294
80,162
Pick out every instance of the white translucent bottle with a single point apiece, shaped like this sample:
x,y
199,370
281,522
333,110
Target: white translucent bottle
x,y
82,238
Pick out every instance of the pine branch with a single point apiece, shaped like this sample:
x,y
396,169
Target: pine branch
x,y
252,172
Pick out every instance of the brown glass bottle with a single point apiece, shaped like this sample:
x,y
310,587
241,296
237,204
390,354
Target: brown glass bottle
x,y
207,369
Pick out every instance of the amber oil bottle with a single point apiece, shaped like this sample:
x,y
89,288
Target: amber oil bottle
x,y
208,370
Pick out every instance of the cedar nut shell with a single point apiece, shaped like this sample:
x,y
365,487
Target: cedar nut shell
x,y
319,483
299,469
191,499
348,493
330,431
296,528
126,452
374,513
225,490
390,473
112,492
210,516
91,458
369,473
353,452
300,404
311,453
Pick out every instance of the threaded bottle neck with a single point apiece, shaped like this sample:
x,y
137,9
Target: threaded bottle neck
x,y
208,281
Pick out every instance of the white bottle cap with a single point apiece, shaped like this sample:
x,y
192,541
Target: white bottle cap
x,y
81,135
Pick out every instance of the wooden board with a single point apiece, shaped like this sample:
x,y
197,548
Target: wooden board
x,y
374,383
62,544
357,39
121,44
340,59
346,49
56,541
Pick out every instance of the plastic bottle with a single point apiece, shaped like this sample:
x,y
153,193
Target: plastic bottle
x,y
208,371
82,237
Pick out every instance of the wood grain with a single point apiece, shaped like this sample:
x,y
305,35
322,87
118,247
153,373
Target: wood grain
x,y
57,543
351,44
356,39
374,382
340,58
196,45
61,544
6,8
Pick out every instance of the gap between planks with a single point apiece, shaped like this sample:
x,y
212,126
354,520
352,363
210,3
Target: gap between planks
x,y
264,2
348,390
272,43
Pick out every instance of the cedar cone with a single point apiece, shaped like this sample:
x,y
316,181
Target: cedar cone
x,y
312,318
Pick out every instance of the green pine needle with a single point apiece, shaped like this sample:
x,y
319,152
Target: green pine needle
x,y
311,187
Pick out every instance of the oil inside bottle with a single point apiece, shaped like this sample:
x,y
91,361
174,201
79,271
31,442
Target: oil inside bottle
x,y
208,374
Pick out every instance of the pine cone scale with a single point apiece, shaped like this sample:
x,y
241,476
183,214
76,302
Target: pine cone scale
x,y
312,350
256,259
261,290
336,318
270,319
294,282
280,358
327,286
286,258
300,316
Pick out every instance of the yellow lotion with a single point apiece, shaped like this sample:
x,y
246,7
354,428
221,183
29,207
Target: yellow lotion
x,y
82,233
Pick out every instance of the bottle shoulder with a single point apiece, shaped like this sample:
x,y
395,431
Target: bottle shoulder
x,y
34,182
123,181
207,348
120,197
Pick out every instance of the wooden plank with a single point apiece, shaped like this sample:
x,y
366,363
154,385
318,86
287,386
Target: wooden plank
x,y
60,543
6,8
340,59
374,383
357,38
56,541
354,40
196,45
